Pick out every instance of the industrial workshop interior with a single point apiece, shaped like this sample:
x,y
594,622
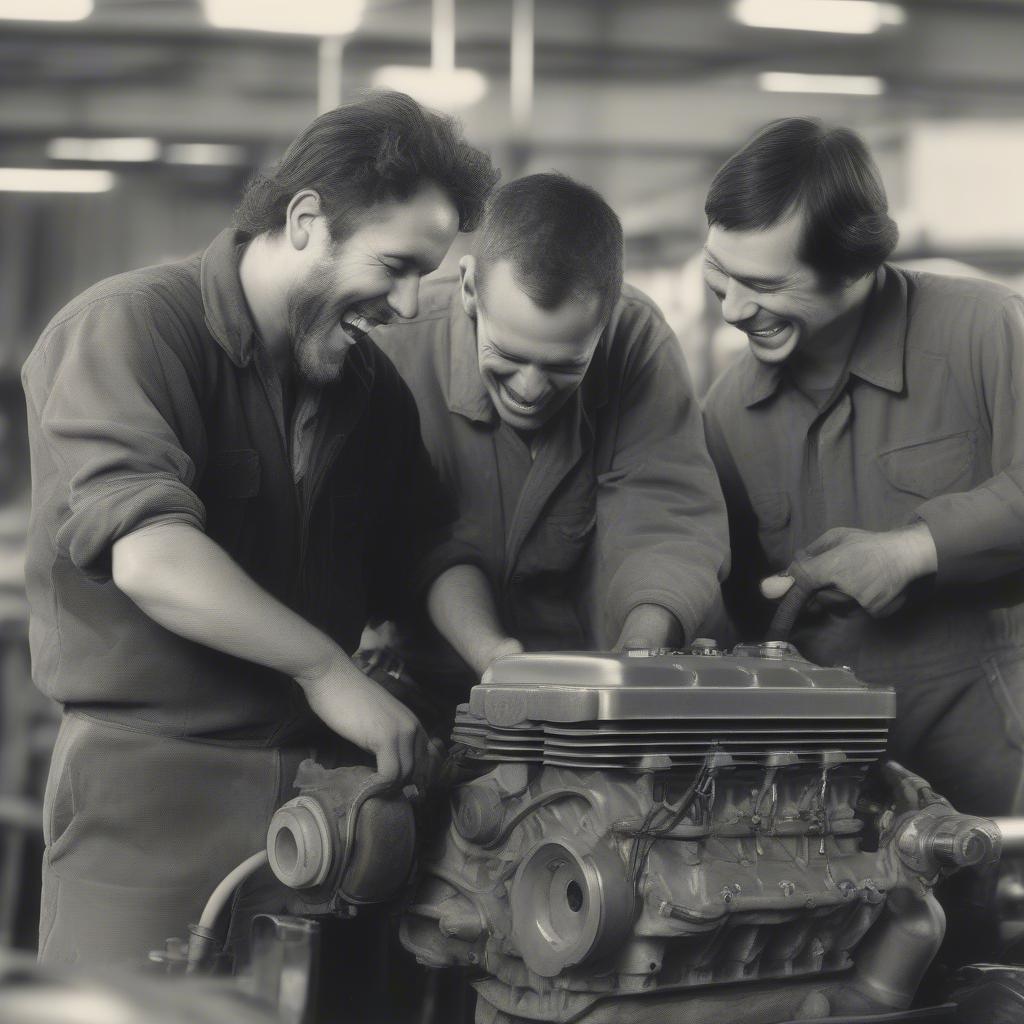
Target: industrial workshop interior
x,y
511,511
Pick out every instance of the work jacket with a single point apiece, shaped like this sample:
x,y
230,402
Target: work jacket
x,y
620,506
151,399
926,424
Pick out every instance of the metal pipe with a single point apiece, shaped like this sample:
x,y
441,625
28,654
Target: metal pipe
x,y
1013,835
328,73
521,66
442,35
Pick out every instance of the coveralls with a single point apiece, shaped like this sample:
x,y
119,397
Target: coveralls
x,y
613,504
151,399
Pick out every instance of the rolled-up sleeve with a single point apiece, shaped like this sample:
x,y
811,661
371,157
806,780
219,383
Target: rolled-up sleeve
x,y
979,534
118,422
662,532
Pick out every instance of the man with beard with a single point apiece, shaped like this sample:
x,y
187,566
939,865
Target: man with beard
x,y
228,480
557,407
871,445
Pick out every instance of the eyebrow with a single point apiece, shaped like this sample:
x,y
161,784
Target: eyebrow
x,y
756,282
410,260
574,363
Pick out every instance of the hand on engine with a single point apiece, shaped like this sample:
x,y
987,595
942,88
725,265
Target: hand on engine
x,y
509,645
872,569
363,712
649,627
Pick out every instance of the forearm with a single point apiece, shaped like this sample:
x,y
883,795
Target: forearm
x,y
461,606
649,626
191,586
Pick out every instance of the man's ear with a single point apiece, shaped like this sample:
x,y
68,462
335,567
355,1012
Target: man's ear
x,y
302,213
467,277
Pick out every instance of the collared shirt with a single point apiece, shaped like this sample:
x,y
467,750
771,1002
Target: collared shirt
x,y
925,424
619,505
150,400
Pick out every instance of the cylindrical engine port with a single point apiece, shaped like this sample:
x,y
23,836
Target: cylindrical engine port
x,y
299,844
569,906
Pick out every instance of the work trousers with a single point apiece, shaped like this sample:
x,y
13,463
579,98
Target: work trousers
x,y
140,828
961,727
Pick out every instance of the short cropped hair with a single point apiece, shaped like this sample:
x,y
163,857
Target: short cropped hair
x,y
382,147
560,237
828,173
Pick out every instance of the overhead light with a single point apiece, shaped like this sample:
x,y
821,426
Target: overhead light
x,y
49,179
445,89
45,10
123,150
853,17
851,85
304,17
206,154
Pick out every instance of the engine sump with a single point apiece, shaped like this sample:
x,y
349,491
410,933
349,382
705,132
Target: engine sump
x,y
681,835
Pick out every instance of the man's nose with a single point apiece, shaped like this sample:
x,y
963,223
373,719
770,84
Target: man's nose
x,y
739,303
530,383
404,297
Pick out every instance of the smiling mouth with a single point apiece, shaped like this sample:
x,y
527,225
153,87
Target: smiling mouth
x,y
357,326
517,404
768,332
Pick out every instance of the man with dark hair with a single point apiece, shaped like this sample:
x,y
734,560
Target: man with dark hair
x,y
557,407
228,479
871,445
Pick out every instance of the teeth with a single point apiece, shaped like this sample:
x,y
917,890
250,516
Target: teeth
x,y
769,333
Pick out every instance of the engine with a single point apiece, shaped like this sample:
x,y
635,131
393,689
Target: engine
x,y
685,835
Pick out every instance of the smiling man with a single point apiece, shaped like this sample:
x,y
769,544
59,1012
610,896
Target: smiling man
x,y
228,480
557,408
871,443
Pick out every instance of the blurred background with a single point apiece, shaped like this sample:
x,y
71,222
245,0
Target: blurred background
x,y
128,128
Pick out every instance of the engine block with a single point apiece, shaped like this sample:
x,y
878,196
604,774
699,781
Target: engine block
x,y
682,835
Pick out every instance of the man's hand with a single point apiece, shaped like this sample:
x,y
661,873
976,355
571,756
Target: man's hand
x,y
461,605
189,585
872,569
648,627
361,711
504,648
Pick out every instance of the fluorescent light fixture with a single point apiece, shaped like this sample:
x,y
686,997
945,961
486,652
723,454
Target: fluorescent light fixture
x,y
126,150
850,85
206,154
450,89
304,17
853,17
45,10
49,179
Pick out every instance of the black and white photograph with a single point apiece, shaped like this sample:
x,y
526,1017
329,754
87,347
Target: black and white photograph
x,y
511,511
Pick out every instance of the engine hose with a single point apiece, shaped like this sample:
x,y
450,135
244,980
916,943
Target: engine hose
x,y
202,935
791,605
538,801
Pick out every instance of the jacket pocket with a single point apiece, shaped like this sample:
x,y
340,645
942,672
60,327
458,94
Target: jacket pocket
x,y
231,480
233,474
931,466
575,525
346,585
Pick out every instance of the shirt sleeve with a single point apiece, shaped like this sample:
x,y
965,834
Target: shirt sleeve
x,y
979,534
662,534
117,418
